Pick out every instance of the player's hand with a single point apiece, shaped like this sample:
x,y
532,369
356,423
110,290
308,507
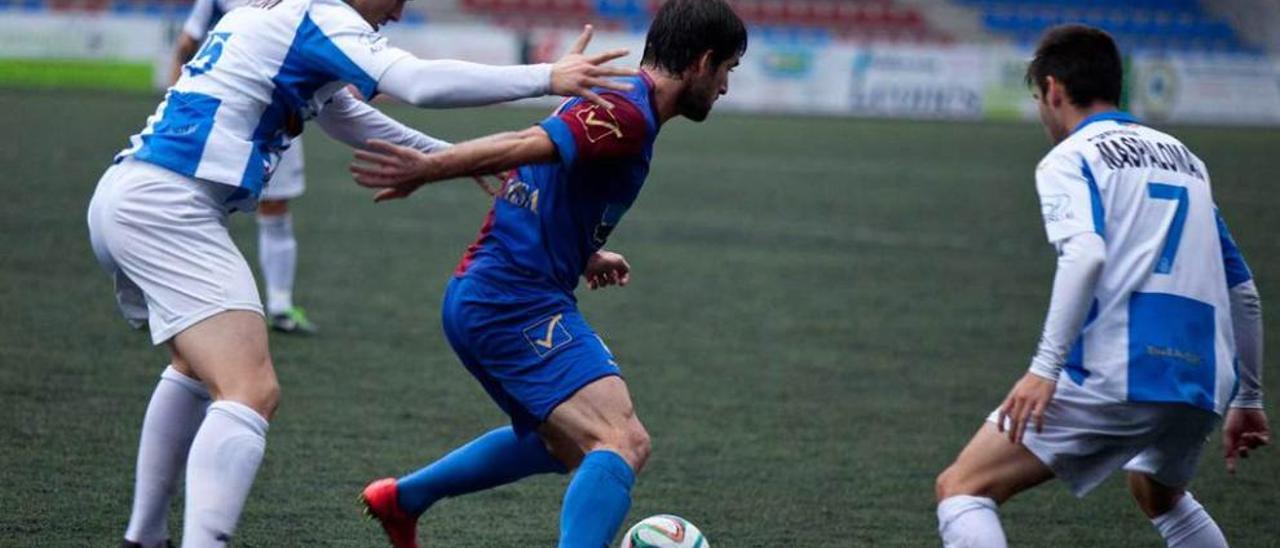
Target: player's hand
x,y
1025,403
492,184
1244,431
606,268
576,73
396,170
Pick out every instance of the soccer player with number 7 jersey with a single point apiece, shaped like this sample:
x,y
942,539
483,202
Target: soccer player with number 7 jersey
x,y
1154,329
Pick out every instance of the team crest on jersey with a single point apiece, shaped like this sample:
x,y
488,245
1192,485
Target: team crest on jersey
x,y
599,123
374,41
518,193
1056,207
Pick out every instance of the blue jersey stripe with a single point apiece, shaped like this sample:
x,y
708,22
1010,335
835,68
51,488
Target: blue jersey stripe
x,y
325,57
1095,200
178,138
1233,261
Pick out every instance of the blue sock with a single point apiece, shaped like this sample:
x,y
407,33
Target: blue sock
x,y
497,458
597,501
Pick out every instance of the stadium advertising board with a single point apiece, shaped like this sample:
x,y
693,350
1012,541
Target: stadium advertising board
x,y
46,36
913,82
1216,89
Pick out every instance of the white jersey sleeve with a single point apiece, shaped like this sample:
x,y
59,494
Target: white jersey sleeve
x,y
342,45
1069,198
354,122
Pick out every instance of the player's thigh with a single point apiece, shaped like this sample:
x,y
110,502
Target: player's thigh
x,y
1158,475
229,353
991,466
600,415
1153,497
167,235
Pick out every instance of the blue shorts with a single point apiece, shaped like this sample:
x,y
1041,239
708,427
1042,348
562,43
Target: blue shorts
x,y
531,352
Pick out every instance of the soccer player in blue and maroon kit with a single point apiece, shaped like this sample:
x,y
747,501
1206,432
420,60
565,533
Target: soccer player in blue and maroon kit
x,y
510,312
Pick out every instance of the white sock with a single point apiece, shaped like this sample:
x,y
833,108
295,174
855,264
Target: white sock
x,y
224,459
278,255
176,410
970,522
1187,525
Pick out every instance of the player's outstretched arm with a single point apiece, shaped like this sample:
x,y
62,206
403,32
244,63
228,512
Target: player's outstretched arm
x,y
355,123
397,171
449,84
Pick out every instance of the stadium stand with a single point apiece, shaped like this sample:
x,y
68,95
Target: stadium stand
x,y
805,20
1141,25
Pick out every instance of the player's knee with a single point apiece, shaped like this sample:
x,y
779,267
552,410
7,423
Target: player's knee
x,y
949,484
630,442
259,390
638,446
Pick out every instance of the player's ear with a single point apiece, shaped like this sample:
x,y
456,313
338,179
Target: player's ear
x,y
1053,92
705,63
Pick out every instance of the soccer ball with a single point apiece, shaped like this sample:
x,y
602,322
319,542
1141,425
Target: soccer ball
x,y
664,531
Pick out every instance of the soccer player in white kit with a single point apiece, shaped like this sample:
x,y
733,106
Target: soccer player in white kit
x,y
157,221
277,246
1153,310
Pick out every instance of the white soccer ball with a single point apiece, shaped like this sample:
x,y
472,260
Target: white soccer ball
x,y
664,531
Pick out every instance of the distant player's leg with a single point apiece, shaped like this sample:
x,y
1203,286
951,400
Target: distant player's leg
x,y
278,258
277,246
1179,517
988,472
597,431
229,352
177,408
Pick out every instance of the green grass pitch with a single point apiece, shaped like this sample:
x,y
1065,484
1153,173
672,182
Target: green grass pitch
x,y
822,313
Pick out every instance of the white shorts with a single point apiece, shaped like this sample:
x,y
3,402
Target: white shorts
x,y
289,179
1084,441
163,239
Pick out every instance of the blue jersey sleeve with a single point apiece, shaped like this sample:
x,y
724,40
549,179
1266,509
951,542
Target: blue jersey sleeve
x,y
1237,270
583,131
562,138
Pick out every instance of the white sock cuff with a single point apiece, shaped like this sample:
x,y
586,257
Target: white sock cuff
x,y
194,386
1184,519
953,507
242,414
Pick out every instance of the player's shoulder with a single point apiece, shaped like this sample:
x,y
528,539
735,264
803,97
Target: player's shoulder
x,y
1069,152
336,16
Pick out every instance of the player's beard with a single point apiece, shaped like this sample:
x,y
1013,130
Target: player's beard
x,y
696,102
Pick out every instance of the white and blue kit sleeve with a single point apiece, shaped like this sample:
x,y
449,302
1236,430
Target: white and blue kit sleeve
x,y
200,19
452,84
1246,320
1070,202
1070,205
1081,258
354,122
337,43
349,50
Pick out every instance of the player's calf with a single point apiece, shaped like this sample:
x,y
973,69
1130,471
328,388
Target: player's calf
x,y
1176,515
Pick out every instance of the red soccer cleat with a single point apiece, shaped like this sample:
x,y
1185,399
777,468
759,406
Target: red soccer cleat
x,y
380,503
